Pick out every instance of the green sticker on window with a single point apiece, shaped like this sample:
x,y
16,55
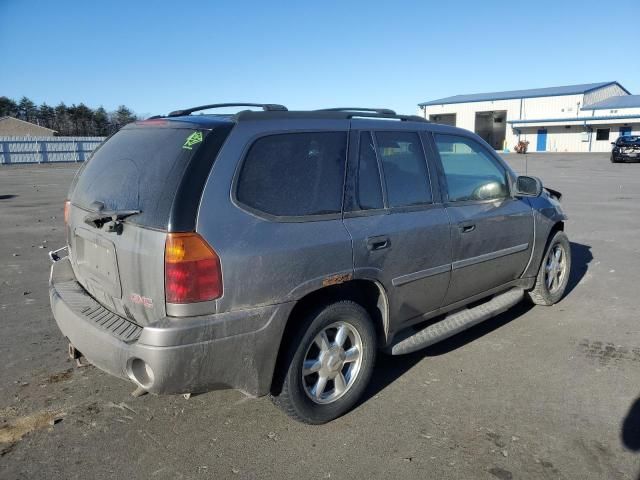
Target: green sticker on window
x,y
193,139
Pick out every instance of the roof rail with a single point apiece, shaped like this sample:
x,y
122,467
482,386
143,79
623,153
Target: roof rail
x,y
403,118
351,112
324,114
267,107
381,111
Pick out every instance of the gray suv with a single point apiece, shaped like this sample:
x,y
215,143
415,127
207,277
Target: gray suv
x,y
276,252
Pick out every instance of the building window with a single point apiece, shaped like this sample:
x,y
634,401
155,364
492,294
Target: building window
x,y
602,133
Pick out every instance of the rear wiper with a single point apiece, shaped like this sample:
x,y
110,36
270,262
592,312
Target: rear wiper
x,y
114,217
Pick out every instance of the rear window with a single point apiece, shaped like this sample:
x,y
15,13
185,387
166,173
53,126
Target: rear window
x,y
294,174
139,168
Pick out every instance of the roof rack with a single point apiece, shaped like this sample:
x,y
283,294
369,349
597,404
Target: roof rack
x,y
326,114
267,107
381,111
351,112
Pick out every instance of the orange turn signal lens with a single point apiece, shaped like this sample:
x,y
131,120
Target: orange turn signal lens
x,y
67,207
192,269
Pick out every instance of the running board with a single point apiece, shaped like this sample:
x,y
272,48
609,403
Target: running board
x,y
457,322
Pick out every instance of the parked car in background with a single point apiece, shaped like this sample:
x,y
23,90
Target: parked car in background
x,y
276,252
626,149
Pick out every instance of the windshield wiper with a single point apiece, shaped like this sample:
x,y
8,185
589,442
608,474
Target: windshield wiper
x,y
114,217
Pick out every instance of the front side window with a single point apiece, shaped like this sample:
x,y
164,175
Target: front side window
x,y
470,171
294,174
405,168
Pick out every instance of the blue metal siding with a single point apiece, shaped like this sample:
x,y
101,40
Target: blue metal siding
x,y
576,119
618,101
531,93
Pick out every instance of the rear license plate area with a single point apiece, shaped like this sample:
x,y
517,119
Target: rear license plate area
x,y
96,259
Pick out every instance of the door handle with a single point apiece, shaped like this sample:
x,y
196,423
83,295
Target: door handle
x,y
378,243
467,228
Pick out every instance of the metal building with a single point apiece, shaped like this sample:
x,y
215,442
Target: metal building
x,y
10,126
573,118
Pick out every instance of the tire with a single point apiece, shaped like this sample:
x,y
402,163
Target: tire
x,y
305,397
553,276
613,160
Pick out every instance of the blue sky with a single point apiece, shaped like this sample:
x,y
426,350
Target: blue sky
x,y
156,56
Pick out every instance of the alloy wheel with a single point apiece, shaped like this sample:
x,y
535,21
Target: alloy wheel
x,y
332,363
555,268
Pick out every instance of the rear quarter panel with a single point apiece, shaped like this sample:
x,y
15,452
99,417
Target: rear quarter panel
x,y
264,261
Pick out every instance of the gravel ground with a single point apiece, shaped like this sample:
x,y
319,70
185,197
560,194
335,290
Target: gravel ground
x,y
534,393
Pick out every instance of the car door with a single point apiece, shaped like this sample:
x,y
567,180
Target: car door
x,y
491,231
399,228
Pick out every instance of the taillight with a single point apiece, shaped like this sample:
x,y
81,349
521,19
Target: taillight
x,y
192,271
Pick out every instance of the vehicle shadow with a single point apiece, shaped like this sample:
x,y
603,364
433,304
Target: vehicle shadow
x,y
7,197
630,433
581,257
389,368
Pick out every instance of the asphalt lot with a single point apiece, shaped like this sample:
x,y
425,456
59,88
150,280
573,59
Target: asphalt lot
x,y
544,392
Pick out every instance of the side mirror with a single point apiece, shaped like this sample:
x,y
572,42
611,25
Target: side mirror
x,y
528,186
613,143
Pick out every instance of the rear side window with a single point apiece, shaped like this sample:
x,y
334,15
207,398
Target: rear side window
x,y
294,174
368,188
405,168
470,171
139,168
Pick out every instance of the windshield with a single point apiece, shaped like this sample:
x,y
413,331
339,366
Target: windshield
x,y
629,140
138,168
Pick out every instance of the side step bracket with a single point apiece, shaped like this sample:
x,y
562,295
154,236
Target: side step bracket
x,y
457,322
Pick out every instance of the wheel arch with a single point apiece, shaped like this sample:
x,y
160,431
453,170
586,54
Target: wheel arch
x,y
545,229
556,227
370,294
559,225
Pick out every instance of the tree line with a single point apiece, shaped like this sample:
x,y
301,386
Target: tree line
x,y
75,120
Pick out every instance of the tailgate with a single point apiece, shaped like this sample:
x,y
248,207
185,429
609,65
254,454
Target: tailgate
x,y
138,185
124,272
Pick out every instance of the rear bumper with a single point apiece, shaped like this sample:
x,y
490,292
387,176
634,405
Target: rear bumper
x,y
229,350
